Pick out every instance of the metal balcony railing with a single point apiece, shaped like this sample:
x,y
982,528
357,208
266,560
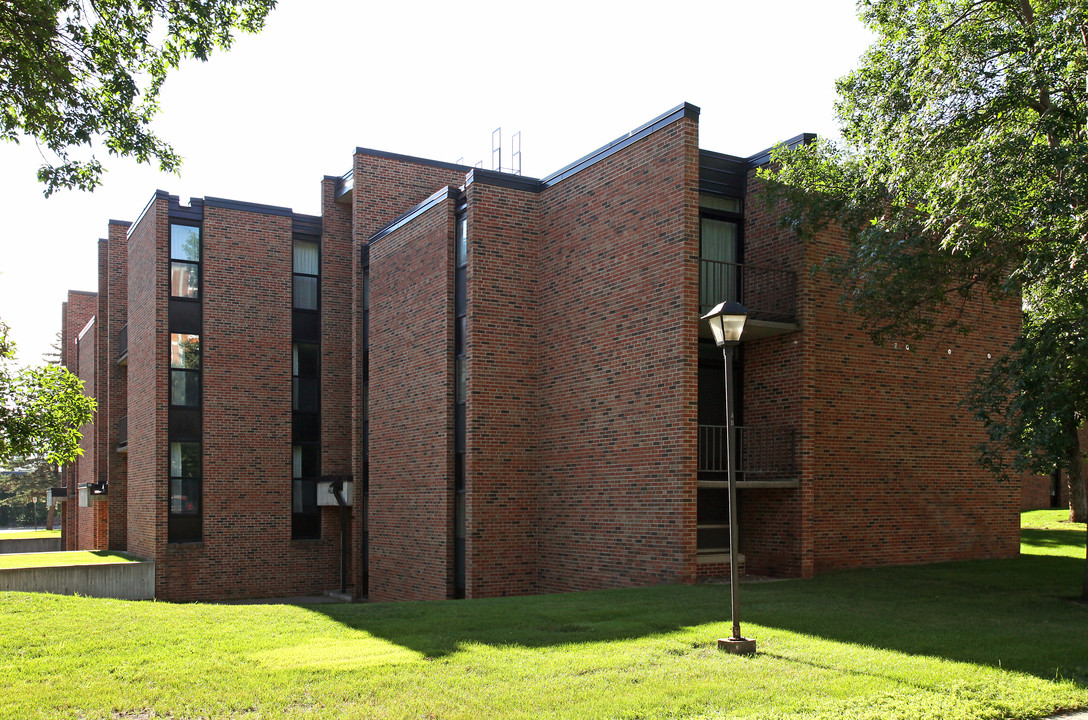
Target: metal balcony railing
x,y
768,293
761,452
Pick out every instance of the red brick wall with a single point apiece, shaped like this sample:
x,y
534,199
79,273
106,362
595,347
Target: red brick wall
x,y
772,521
86,465
116,380
338,266
502,412
75,313
618,309
384,189
890,457
247,549
411,412
148,363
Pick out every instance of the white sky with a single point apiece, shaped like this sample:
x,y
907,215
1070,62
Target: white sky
x,y
266,120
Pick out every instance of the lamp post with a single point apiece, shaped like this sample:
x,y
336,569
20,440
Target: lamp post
x,y
727,323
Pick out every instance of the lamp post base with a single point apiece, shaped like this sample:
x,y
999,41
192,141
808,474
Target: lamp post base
x,y
737,646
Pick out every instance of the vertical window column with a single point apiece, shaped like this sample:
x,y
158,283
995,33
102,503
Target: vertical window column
x,y
460,292
185,424
305,388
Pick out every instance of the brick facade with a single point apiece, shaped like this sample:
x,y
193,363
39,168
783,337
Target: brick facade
x,y
584,363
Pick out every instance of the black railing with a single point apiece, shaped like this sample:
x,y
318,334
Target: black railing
x,y
122,432
768,293
122,342
761,452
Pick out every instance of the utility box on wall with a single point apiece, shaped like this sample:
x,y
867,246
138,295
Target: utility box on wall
x,y
326,497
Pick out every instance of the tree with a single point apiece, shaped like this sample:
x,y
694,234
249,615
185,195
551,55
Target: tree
x,y
26,483
963,173
41,409
74,73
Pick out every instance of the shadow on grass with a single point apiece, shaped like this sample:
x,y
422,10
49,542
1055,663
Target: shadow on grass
x,y
1051,538
1016,614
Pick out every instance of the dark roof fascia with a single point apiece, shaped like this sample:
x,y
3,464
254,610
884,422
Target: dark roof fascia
x,y
443,194
82,292
242,206
158,195
305,224
724,156
410,159
193,213
764,157
506,180
680,111
122,223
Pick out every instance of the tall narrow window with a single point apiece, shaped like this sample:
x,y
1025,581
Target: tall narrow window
x,y
185,478
306,271
305,470
305,380
184,370
185,262
719,251
460,397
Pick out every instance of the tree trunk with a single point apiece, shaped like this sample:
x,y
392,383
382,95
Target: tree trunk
x,y
1077,476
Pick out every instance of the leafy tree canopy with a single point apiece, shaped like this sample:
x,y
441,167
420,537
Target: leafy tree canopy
x,y
74,73
41,410
963,174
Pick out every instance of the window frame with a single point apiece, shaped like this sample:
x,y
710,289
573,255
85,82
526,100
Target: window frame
x,y
198,263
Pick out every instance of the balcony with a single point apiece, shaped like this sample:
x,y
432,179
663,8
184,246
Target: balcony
x,y
122,435
770,294
765,457
122,345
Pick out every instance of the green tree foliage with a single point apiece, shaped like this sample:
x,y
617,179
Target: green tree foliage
x,y
963,173
41,409
76,73
23,490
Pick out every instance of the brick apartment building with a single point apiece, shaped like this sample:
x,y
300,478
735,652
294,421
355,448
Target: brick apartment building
x,y
456,382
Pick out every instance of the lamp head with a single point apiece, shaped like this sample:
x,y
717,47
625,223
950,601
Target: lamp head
x,y
727,322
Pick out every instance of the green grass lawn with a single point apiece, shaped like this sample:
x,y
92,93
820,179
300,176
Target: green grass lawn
x,y
29,534
51,559
991,639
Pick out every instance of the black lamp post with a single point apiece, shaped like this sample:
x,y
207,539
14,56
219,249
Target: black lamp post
x,y
727,323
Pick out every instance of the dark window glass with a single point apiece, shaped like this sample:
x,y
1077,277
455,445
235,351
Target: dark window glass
x,y
460,300
305,359
185,280
304,395
459,371
305,513
185,388
459,336
185,243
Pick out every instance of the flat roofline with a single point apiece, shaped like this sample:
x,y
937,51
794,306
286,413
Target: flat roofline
x,y
441,195
412,159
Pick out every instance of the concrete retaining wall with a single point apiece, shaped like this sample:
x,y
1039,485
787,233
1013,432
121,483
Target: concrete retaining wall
x,y
28,545
123,581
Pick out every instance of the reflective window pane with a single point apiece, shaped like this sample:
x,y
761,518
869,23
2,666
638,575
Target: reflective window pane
x,y
184,351
185,388
459,369
184,496
462,241
305,292
184,243
185,459
184,280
